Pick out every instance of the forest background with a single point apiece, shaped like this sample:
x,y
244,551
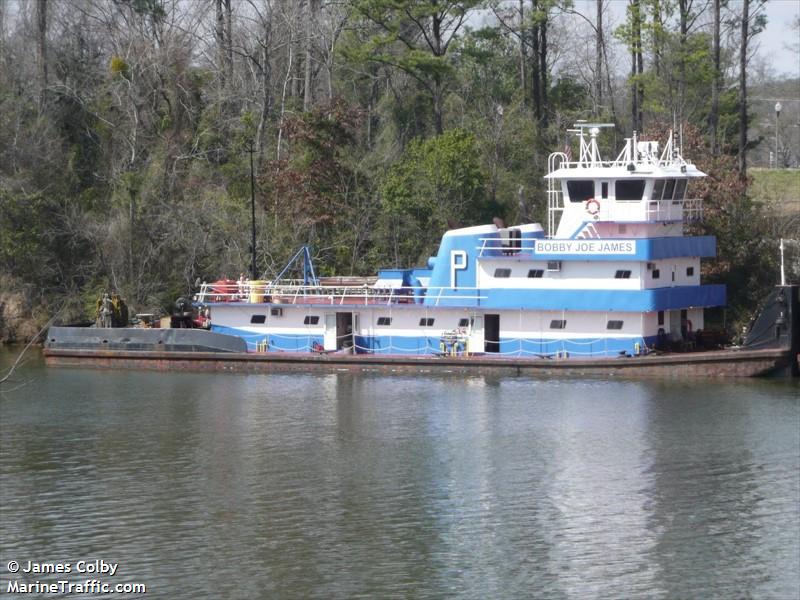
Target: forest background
x,y
127,130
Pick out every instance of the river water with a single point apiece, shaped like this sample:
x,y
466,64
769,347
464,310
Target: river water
x,y
378,486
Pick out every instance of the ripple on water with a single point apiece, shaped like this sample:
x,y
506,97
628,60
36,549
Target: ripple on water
x,y
320,486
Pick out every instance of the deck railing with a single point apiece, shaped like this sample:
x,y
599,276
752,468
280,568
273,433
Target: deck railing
x,y
298,293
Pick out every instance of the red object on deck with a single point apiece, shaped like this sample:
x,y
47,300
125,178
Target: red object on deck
x,y
224,290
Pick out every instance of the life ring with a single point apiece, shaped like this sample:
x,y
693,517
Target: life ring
x,y
592,206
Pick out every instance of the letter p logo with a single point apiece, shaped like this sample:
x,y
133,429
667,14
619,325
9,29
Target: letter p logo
x,y
458,262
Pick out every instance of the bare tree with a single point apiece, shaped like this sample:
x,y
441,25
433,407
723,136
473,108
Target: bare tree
x,y
599,50
743,90
713,117
41,50
310,27
637,66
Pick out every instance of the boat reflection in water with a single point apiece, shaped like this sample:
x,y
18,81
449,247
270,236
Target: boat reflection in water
x,y
350,485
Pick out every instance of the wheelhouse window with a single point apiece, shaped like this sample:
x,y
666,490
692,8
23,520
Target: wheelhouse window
x,y
680,190
426,322
258,319
658,189
580,190
661,317
669,189
614,325
384,321
629,189
463,322
311,320
502,273
689,271
535,273
622,274
558,324
656,274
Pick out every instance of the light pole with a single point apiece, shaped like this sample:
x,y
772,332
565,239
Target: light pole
x,y
777,115
253,273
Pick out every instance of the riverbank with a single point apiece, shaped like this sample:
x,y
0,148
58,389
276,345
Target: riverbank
x,y
17,322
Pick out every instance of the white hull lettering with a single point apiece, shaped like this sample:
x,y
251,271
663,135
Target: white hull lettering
x,y
585,247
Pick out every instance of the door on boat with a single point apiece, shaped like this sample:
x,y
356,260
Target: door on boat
x,y
356,331
476,335
344,330
674,323
492,333
329,336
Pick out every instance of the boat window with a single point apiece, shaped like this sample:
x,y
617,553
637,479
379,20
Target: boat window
x,y
258,319
680,189
658,189
463,322
426,322
661,317
622,274
614,325
558,324
669,188
311,320
656,274
580,190
604,189
629,189
536,273
502,273
384,320
689,271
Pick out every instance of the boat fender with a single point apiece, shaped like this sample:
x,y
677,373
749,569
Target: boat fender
x,y
592,206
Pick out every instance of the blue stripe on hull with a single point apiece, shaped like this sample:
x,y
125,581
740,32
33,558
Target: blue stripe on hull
x,y
430,345
580,347
671,298
394,344
275,342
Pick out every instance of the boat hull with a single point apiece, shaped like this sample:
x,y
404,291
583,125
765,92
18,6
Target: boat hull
x,y
142,340
724,363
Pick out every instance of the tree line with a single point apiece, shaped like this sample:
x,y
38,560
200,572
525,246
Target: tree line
x,y
127,128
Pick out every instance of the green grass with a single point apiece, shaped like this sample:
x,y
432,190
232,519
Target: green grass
x,y
778,189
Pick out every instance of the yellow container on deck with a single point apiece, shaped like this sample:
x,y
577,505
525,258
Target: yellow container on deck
x,y
257,291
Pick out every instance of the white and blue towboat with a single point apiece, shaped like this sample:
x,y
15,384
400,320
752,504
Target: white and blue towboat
x,y
614,274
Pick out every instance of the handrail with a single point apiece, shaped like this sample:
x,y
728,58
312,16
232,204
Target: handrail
x,y
295,294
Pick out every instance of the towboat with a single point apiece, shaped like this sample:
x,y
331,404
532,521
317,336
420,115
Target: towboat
x,y
613,274
613,279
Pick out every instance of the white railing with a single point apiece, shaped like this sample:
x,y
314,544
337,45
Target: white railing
x,y
674,210
506,246
555,196
297,293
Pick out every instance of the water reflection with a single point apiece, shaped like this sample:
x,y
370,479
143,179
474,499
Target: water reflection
x,y
342,485
718,485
